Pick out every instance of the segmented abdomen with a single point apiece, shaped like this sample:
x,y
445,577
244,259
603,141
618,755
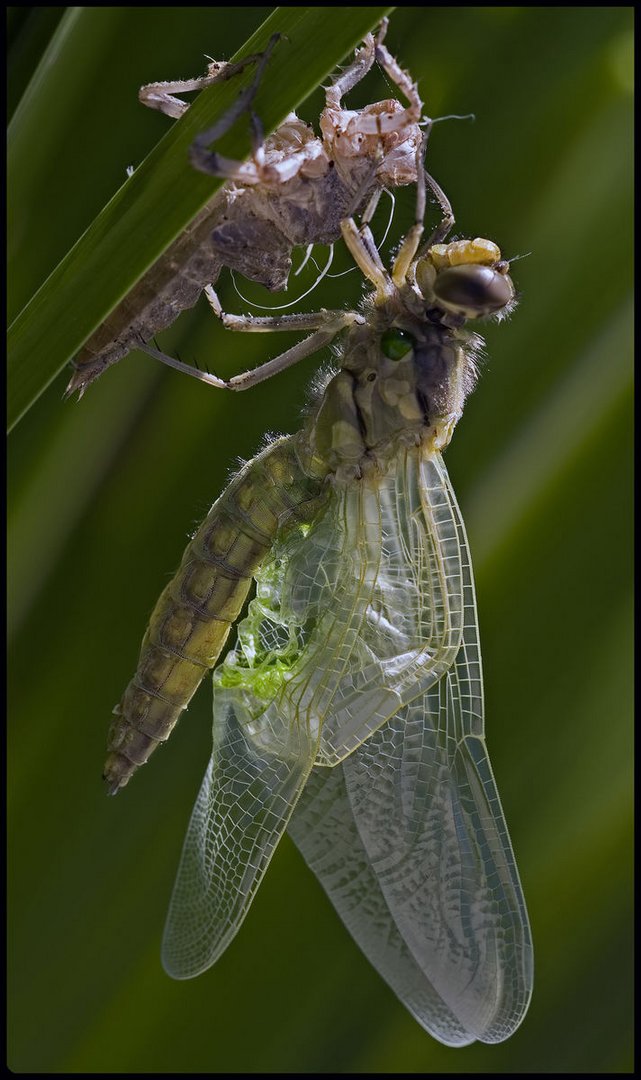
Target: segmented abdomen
x,y
194,614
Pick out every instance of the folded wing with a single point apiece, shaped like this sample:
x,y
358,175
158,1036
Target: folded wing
x,y
251,785
426,832
324,829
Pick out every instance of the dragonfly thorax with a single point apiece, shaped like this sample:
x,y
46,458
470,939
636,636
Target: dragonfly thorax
x,y
399,386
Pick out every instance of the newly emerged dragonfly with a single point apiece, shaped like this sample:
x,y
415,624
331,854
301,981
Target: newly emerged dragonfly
x,y
294,191
351,708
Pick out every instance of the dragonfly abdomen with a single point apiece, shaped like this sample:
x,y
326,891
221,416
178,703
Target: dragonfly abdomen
x,y
190,623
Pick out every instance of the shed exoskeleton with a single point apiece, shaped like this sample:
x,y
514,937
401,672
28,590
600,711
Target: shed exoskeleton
x,y
294,191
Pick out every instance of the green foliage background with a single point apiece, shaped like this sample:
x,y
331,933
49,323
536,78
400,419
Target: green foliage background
x,y
103,494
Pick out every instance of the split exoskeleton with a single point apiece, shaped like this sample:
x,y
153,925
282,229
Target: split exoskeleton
x,y
295,190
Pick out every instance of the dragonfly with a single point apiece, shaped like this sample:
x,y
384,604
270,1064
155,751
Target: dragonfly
x,y
294,191
350,709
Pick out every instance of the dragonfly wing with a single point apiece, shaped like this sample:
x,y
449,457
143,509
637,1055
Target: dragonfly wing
x,y
430,819
378,580
429,815
323,828
255,775
432,842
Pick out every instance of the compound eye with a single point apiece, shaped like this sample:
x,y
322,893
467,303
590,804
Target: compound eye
x,y
396,344
473,291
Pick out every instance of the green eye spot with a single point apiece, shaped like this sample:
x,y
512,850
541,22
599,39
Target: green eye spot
x,y
396,344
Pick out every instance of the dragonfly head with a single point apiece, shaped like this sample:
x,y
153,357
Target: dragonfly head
x,y
466,279
407,370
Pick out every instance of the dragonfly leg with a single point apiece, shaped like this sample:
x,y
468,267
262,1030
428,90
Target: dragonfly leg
x,y
360,244
306,347
412,239
259,324
447,220
201,156
373,49
407,253
178,365
159,95
382,118
403,81
326,324
352,75
376,132
370,209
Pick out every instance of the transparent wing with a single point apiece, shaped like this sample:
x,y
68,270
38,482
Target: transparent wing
x,y
376,591
428,821
335,637
255,775
324,829
353,618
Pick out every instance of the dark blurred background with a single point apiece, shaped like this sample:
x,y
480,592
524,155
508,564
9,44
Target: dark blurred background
x,y
104,493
